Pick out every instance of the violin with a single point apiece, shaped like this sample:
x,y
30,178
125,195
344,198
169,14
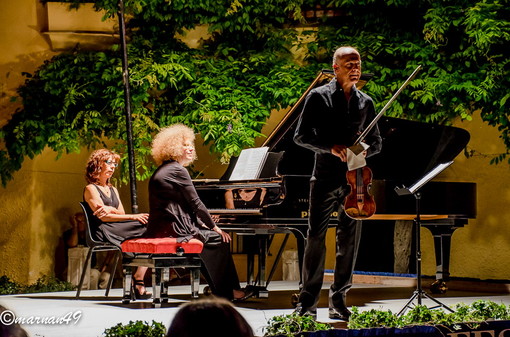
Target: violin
x,y
360,204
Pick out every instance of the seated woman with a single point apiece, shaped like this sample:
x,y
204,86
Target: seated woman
x,y
177,211
109,221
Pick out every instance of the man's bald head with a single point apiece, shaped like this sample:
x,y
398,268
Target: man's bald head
x,y
347,67
343,51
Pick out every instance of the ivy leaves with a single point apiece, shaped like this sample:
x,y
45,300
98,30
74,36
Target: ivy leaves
x,y
77,100
260,56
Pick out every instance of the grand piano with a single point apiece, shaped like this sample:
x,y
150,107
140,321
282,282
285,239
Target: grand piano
x,y
277,200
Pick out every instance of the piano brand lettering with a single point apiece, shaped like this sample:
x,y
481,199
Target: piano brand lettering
x,y
481,333
496,328
304,214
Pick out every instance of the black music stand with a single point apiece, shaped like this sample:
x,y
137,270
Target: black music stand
x,y
414,190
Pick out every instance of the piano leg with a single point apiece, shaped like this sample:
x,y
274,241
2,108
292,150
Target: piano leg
x,y
442,234
250,260
262,288
250,268
264,241
277,258
300,235
257,245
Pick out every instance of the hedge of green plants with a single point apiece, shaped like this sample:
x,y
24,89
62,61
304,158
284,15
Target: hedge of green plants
x,y
44,284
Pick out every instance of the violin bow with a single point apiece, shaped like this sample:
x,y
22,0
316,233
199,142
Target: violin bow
x,y
379,115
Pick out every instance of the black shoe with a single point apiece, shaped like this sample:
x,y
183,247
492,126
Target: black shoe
x,y
248,293
137,295
342,314
301,311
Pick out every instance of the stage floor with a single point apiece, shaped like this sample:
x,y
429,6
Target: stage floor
x,y
95,313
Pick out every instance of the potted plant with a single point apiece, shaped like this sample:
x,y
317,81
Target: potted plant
x,y
480,317
136,329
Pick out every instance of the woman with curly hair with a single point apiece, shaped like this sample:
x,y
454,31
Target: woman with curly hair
x,y
108,221
177,211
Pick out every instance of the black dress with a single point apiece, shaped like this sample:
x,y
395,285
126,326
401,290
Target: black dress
x,y
114,232
177,211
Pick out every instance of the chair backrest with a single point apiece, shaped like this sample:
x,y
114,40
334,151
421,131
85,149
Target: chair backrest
x,y
91,242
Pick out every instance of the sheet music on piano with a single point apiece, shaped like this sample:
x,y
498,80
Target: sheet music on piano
x,y
250,163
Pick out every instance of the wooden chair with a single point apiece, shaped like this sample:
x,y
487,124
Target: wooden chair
x,y
160,254
96,246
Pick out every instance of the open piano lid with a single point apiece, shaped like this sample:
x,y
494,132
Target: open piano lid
x,y
410,149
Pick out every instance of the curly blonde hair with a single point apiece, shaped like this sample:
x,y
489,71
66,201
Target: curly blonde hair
x,y
168,143
95,162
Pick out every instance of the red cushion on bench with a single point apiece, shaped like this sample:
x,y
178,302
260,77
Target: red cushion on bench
x,y
161,246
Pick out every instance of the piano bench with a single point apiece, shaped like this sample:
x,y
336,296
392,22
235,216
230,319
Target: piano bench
x,y
160,254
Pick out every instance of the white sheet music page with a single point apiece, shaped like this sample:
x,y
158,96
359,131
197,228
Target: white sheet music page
x,y
425,179
355,157
249,164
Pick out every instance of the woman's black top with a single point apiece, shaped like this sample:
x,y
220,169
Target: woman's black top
x,y
175,209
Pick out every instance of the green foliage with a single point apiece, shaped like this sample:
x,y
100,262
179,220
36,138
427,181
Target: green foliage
x,y
47,284
246,67
136,329
293,325
8,287
421,315
44,284
480,311
373,318
477,311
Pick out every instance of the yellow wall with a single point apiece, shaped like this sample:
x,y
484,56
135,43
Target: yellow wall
x,y
23,49
35,207
482,248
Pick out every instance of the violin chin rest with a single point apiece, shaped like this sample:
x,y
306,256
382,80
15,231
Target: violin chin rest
x,y
357,214
352,212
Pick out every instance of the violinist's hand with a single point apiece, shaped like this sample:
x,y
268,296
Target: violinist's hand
x,y
224,236
340,151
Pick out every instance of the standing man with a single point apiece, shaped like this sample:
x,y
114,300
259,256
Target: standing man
x,y
333,117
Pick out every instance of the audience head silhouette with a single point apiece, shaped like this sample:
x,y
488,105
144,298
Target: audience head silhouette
x,y
10,330
209,317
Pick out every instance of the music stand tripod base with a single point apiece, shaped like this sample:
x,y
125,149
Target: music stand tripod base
x,y
419,293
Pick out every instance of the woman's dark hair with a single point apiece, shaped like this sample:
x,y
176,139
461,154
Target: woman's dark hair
x,y
95,162
209,317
